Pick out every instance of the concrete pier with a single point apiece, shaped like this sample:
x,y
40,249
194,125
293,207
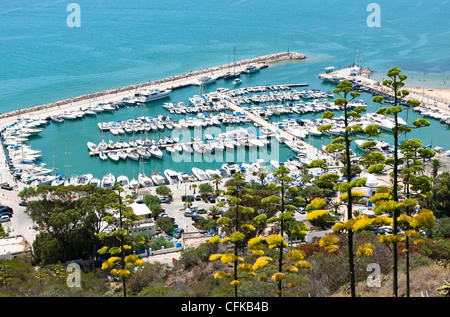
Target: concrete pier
x,y
361,76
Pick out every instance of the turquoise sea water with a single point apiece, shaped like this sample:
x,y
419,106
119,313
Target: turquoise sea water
x,y
127,42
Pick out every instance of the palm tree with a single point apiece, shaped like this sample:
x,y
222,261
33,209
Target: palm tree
x,y
194,186
436,164
217,180
261,173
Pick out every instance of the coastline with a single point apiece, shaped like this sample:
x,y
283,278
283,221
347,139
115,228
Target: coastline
x,y
117,94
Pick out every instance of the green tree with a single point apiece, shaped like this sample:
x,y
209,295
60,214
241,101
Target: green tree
x,y
121,221
342,144
237,236
395,83
164,191
205,188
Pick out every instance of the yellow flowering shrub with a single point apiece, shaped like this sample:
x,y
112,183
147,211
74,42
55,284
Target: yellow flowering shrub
x,y
363,223
235,282
295,255
317,215
263,278
228,258
237,236
355,195
380,196
214,239
339,227
302,264
278,277
291,269
274,239
424,219
215,257
390,239
382,221
261,262
251,275
221,274
245,267
365,250
248,227
225,240
124,273
329,242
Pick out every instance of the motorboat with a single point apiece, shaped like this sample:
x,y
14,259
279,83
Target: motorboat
x,y
92,146
122,155
58,181
103,156
108,181
132,155
171,176
124,180
199,174
157,179
237,81
134,184
151,94
84,179
183,177
210,173
95,182
113,155
205,80
251,69
187,148
231,168
156,152
144,180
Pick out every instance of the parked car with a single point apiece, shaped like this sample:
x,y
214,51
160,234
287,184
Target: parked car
x,y
211,199
197,197
220,199
6,186
6,208
301,210
197,218
7,213
23,203
187,212
165,200
5,218
177,233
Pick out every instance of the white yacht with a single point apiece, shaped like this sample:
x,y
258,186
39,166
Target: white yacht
x,y
58,181
124,180
199,174
96,182
171,176
237,81
84,179
251,69
156,152
92,146
183,177
231,168
108,181
103,156
113,155
134,184
158,179
205,80
151,94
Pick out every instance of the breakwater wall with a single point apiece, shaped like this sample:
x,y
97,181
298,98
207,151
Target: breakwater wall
x,y
178,81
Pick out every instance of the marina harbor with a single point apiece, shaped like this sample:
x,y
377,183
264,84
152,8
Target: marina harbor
x,y
211,126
